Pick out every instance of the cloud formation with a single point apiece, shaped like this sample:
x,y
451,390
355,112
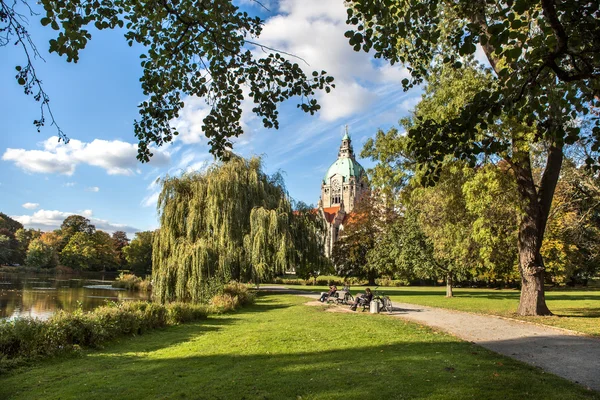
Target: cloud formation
x,y
31,206
92,189
314,30
48,220
114,156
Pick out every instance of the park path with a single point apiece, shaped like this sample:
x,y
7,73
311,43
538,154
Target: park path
x,y
568,355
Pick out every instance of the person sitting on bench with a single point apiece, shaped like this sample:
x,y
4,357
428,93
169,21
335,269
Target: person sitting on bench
x,y
362,299
325,295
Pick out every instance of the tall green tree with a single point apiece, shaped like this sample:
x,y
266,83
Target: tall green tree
x,y
545,56
79,253
24,237
443,217
231,221
6,251
404,249
572,244
190,48
309,234
90,252
138,253
70,226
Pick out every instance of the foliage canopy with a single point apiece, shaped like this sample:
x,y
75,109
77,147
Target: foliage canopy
x,y
206,49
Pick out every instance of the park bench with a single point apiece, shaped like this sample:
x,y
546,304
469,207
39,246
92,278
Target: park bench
x,y
340,297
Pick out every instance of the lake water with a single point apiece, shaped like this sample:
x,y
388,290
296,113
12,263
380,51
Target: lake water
x,y
40,295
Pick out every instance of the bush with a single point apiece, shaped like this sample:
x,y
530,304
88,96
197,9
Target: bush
x,y
132,282
28,339
234,295
391,282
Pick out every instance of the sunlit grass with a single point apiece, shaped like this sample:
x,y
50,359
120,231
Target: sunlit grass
x,y
282,349
578,310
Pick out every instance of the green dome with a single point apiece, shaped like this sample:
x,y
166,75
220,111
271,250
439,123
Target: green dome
x,y
346,167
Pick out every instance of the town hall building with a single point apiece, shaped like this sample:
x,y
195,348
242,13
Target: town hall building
x,y
342,187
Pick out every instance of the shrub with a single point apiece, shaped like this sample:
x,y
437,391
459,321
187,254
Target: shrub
x,y
179,313
27,339
391,282
234,295
132,282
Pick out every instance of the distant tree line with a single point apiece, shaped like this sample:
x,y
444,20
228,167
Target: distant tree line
x,y
77,245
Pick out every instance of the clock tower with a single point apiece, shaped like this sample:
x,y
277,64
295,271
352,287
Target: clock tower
x,y
342,187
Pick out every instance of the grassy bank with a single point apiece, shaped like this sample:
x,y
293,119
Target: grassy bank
x,y
27,340
578,310
281,349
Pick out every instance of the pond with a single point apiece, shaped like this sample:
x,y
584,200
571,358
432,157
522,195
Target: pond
x,y
41,295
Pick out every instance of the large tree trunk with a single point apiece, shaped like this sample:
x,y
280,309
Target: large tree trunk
x,y
371,276
536,208
449,284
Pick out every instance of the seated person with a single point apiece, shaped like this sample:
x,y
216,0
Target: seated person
x,y
362,299
325,295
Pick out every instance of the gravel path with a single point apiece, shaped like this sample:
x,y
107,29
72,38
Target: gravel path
x,y
571,356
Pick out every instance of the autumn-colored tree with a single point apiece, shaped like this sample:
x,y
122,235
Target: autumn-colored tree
x,y
362,229
120,240
41,255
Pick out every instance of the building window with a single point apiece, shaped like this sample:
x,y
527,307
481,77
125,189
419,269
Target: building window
x,y
336,192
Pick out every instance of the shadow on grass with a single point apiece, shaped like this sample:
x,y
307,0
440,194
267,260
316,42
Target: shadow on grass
x,y
579,313
397,371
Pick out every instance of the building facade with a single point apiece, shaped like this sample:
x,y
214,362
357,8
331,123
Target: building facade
x,y
342,187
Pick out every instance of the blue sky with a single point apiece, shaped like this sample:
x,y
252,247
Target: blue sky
x,y
95,102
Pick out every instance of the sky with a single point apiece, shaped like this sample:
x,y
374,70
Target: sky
x,y
95,103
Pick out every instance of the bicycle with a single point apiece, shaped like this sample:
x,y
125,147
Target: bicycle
x,y
384,301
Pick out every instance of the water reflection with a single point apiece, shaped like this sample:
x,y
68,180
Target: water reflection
x,y
40,296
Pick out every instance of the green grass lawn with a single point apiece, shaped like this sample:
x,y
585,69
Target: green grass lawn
x,y
282,349
578,310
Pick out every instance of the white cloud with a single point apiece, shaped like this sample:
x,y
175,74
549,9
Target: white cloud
x,y
189,124
314,30
31,206
114,156
151,199
92,189
70,184
48,220
409,104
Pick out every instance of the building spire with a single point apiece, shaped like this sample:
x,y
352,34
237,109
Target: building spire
x,y
346,150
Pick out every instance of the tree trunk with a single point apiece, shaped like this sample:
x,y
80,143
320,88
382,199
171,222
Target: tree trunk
x,y
531,267
371,276
449,284
536,208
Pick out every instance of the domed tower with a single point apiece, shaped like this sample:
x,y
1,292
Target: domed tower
x,y
342,187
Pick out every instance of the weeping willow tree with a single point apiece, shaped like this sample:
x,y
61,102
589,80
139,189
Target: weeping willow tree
x,y
231,221
309,235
